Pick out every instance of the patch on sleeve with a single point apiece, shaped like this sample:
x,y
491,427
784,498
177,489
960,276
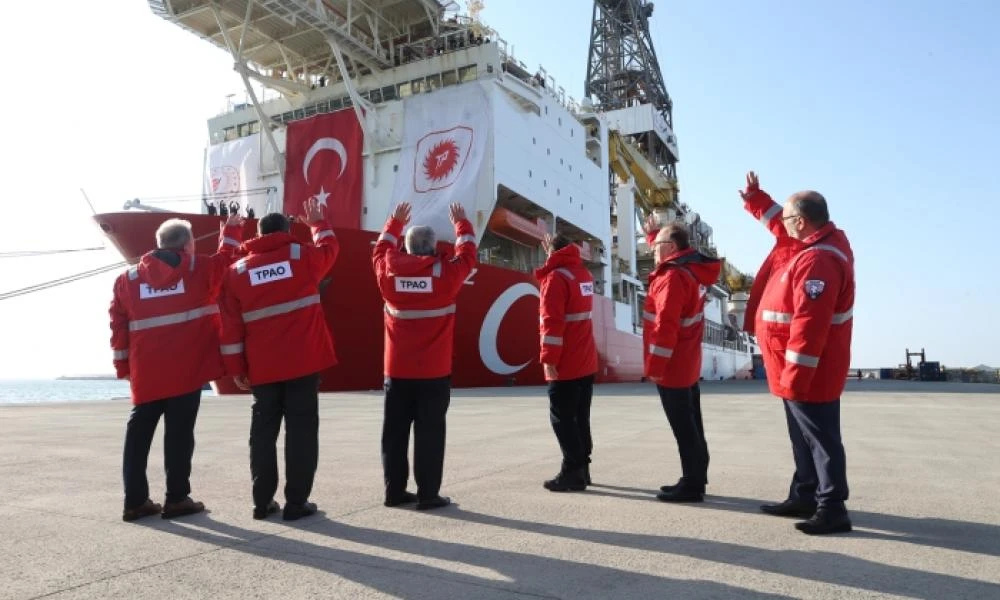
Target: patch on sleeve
x,y
814,287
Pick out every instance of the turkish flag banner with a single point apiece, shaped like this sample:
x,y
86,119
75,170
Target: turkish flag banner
x,y
323,159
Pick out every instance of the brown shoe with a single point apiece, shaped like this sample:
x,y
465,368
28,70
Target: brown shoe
x,y
145,509
186,506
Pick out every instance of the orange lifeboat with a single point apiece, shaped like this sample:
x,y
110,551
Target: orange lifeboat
x,y
508,224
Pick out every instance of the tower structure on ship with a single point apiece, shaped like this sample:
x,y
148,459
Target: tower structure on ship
x,y
623,71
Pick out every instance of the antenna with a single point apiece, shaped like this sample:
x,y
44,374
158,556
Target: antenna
x,y
475,7
89,203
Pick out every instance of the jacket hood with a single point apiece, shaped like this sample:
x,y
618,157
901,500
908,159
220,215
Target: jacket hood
x,y
269,242
163,268
704,268
568,256
411,264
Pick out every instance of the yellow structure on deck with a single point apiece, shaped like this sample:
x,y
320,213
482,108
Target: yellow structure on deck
x,y
654,190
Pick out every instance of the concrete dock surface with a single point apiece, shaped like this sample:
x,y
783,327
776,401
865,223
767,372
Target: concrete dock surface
x,y
922,466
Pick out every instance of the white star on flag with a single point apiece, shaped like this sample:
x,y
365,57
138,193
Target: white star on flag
x,y
322,196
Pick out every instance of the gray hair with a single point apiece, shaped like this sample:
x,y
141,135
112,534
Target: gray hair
x,y
420,241
174,234
812,206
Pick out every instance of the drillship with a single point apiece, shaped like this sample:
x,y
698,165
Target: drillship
x,y
367,103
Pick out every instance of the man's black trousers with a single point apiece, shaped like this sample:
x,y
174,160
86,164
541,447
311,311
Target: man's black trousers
x,y
179,416
422,403
820,463
297,401
569,413
683,409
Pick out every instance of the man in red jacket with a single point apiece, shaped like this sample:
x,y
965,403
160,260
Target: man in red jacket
x,y
804,324
672,334
276,342
165,338
565,305
419,289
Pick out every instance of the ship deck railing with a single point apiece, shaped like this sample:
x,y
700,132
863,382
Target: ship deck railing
x,y
540,80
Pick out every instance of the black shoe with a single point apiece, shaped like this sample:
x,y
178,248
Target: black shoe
x,y
145,509
405,498
586,475
669,488
789,508
297,511
824,522
435,502
183,508
567,481
682,493
263,512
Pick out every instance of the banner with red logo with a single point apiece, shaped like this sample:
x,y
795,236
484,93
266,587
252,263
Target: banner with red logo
x,y
446,138
232,176
323,159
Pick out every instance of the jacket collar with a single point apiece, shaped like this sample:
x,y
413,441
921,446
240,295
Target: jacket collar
x,y
568,256
819,234
269,242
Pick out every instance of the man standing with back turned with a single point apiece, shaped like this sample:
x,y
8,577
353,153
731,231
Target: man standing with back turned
x,y
803,319
568,357
165,337
419,289
275,343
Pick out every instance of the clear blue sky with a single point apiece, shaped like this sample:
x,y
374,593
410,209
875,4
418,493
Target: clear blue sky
x,y
888,108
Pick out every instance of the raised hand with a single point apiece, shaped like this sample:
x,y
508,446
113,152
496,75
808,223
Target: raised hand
x,y
313,211
547,243
456,212
650,225
753,185
402,213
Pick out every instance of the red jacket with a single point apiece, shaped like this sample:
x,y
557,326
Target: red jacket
x,y
768,212
565,306
273,327
165,320
805,319
674,315
419,294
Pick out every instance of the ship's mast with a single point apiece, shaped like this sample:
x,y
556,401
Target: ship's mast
x,y
622,71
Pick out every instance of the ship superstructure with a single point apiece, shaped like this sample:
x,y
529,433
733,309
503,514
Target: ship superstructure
x,y
545,163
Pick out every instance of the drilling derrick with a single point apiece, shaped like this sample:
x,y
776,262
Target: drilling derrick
x,y
622,71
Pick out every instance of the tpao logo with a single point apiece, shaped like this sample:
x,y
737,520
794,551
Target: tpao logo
x,y
272,272
415,285
147,291
587,289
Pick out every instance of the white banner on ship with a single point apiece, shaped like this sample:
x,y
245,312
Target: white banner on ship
x,y
446,137
232,168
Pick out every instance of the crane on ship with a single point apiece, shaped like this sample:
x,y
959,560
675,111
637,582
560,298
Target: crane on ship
x,y
624,81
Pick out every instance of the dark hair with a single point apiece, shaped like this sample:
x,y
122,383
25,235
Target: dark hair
x,y
812,206
272,223
678,234
560,241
